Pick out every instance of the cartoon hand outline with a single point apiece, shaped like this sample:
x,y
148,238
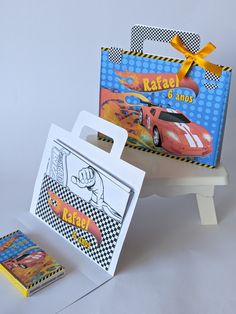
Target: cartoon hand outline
x,y
90,178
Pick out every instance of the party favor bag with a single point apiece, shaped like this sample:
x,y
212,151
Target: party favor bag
x,y
85,194
176,108
82,206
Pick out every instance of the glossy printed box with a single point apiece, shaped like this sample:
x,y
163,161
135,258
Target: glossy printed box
x,y
141,93
28,267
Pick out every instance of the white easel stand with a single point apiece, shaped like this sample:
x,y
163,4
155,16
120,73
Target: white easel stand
x,y
168,177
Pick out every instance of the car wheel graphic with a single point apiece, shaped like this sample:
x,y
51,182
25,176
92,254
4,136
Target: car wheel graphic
x,y
156,137
140,120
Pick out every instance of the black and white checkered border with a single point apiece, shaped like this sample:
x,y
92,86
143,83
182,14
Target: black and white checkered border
x,y
115,55
140,33
211,85
211,77
109,228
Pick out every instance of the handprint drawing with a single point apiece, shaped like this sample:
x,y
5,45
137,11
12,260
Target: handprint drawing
x,y
91,179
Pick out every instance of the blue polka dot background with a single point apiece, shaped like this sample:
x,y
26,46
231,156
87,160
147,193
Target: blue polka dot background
x,y
207,109
20,244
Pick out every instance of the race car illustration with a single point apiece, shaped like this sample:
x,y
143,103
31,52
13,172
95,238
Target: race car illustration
x,y
26,260
174,132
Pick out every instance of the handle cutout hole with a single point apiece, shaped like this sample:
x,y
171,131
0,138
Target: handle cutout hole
x,y
96,138
161,49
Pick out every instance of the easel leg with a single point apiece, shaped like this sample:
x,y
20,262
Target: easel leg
x,y
206,208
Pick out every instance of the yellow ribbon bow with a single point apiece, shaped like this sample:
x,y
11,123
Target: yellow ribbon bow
x,y
177,43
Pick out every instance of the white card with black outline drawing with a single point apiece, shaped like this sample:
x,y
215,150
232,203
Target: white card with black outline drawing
x,y
90,182
85,194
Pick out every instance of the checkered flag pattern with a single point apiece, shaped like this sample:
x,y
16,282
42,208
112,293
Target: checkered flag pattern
x,y
211,76
140,33
115,55
109,228
210,86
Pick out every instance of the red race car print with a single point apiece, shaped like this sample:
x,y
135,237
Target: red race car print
x,y
26,260
174,132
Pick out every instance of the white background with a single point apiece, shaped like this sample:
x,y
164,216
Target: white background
x,y
49,71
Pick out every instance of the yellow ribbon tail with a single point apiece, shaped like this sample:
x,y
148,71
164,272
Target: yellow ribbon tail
x,y
213,68
186,65
206,50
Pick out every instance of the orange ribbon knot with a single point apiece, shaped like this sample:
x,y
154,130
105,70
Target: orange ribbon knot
x,y
191,58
